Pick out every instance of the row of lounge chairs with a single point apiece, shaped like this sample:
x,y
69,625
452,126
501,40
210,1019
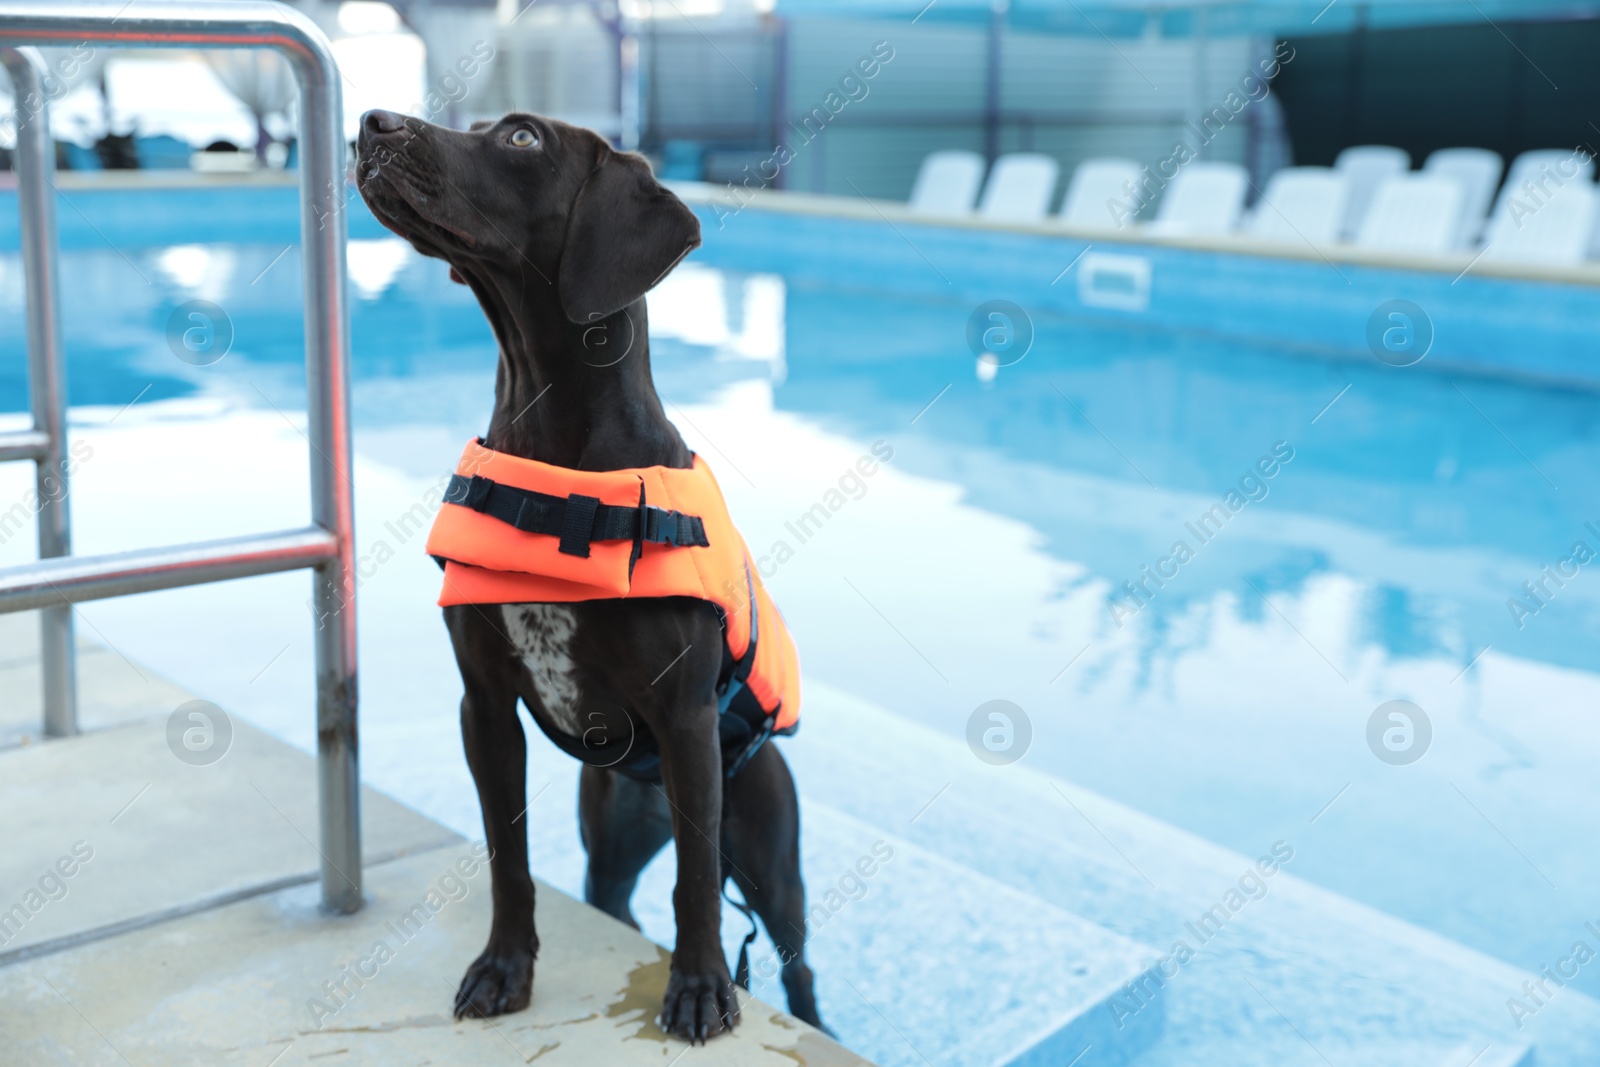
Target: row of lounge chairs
x,y
1545,212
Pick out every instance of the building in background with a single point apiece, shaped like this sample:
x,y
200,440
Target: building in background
x,y
711,89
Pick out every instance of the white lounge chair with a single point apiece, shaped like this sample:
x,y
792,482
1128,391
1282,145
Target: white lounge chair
x,y
947,183
1535,175
1020,187
1364,167
1556,233
1564,163
1203,198
1478,170
1098,195
1413,213
1301,204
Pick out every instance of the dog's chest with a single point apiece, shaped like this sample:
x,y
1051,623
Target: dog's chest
x,y
543,636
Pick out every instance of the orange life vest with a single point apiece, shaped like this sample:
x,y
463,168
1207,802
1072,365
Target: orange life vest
x,y
515,530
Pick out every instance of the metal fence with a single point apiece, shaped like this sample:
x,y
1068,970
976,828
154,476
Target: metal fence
x,y
59,579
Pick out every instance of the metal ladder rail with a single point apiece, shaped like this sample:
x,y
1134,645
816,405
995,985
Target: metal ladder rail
x,y
45,443
55,582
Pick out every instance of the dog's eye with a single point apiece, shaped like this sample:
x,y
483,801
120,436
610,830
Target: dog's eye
x,y
524,138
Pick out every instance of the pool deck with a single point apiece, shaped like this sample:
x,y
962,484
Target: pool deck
x,y
189,928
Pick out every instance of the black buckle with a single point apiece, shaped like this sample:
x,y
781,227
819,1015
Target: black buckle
x,y
674,528
640,521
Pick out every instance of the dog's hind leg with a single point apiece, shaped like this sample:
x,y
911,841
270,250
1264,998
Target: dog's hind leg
x,y
623,822
761,825
501,979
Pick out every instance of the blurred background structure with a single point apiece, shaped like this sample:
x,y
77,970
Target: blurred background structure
x,y
709,87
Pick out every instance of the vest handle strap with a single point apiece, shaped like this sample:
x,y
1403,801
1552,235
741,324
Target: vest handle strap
x,y
577,520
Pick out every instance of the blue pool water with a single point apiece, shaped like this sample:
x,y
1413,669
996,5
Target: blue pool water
x,y
987,559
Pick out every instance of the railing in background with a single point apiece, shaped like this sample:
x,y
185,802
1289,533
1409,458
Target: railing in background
x,y
59,579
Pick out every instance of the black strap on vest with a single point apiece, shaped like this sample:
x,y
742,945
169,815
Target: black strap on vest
x,y
577,520
747,729
735,673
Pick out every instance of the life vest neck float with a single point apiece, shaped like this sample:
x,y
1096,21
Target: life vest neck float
x,y
515,531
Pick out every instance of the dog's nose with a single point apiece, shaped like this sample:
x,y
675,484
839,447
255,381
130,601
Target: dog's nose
x,y
379,121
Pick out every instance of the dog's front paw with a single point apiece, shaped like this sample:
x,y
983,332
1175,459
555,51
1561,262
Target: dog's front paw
x,y
699,1006
497,983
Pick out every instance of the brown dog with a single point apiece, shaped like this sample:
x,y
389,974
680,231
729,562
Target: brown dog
x,y
560,237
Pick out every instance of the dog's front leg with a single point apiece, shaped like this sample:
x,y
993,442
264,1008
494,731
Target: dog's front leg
x,y
501,979
700,1001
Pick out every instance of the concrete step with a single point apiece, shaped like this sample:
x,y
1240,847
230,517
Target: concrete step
x,y
112,690
1293,966
272,980
894,928
112,830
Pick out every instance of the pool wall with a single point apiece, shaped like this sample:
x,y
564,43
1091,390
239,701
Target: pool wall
x,y
1495,325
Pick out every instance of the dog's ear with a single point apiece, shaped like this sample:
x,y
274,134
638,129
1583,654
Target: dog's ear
x,y
624,234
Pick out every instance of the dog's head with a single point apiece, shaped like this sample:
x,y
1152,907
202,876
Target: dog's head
x,y
526,197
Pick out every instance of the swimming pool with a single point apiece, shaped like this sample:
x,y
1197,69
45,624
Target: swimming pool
x,y
1228,697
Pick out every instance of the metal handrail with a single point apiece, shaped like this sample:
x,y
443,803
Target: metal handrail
x,y
24,444
54,584
46,443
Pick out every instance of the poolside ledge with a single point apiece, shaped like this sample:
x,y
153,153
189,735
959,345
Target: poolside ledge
x,y
724,201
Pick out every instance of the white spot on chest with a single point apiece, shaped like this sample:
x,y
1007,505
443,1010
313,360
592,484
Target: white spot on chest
x,y
542,635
